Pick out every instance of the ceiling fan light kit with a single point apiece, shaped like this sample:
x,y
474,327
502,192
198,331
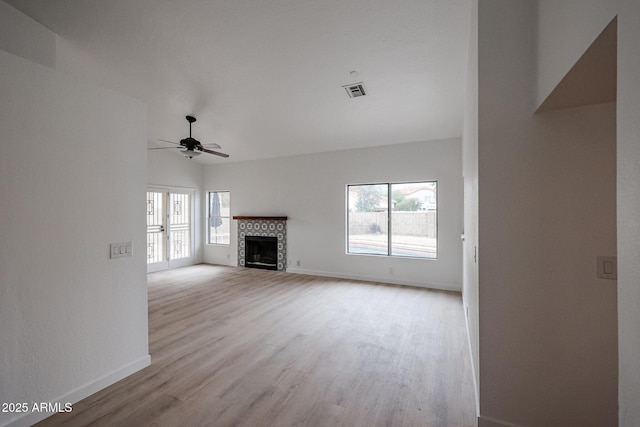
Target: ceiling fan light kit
x,y
189,154
190,146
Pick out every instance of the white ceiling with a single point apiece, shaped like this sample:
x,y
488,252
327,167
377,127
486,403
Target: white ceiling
x,y
264,78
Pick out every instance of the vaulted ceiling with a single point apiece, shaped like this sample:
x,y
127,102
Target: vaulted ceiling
x,y
264,78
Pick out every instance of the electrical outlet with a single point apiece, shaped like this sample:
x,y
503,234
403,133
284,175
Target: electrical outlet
x,y
298,263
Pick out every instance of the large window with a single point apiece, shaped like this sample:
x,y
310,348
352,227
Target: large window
x,y
219,217
393,219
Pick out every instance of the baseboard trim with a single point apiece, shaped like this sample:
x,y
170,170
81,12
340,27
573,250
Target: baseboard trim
x,y
473,368
438,286
219,261
492,422
81,392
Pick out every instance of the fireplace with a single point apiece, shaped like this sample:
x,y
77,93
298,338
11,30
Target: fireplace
x,y
262,242
261,252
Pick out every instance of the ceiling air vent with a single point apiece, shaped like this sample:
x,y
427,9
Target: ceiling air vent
x,y
355,90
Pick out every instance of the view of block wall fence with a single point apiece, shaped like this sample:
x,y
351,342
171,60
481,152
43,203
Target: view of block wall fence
x,y
403,223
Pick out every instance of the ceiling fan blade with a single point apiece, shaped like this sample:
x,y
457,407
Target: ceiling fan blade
x,y
212,145
160,148
170,142
216,153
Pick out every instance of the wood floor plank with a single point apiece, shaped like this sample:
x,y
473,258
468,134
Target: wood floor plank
x,y
243,347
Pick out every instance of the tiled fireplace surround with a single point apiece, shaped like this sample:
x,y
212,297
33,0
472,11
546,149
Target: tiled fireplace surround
x,y
264,226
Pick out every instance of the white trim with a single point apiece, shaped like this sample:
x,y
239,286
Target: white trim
x,y
227,262
438,286
82,392
492,422
473,368
170,188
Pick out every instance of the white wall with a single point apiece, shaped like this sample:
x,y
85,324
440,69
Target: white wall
x,y
566,29
629,212
170,169
311,189
470,173
72,180
22,36
546,210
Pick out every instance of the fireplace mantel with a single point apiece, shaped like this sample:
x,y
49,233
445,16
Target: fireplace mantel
x,y
268,218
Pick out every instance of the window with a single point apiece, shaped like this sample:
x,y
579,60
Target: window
x,y
393,219
219,217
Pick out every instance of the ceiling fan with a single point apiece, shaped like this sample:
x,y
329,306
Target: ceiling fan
x,y
191,147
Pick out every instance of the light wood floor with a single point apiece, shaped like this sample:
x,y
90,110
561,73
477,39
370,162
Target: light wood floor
x,y
243,347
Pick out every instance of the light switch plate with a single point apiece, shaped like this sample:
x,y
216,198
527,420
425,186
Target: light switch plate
x,y
119,250
608,267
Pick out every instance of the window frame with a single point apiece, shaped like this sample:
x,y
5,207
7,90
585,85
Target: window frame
x,y
389,210
222,217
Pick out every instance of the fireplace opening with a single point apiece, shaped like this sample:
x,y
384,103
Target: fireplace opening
x,y
261,252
